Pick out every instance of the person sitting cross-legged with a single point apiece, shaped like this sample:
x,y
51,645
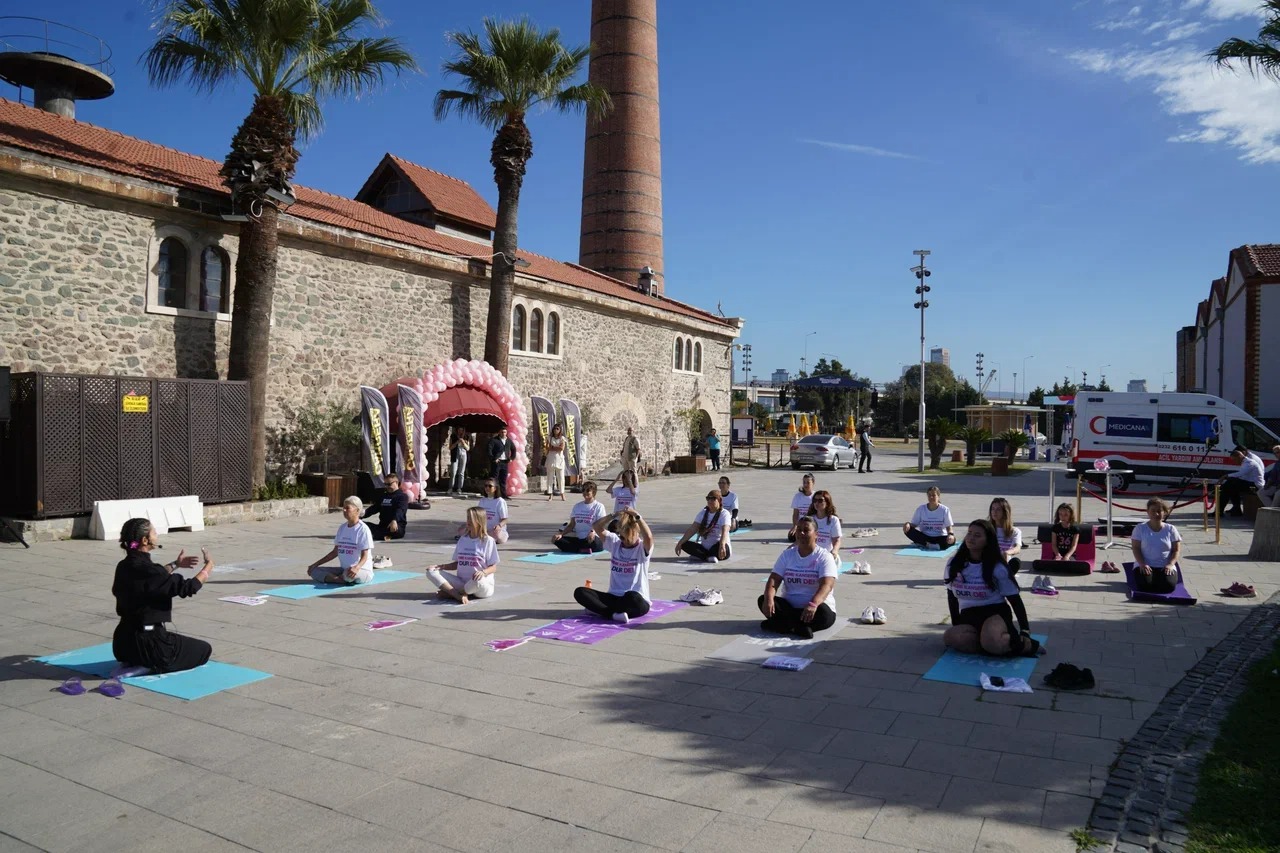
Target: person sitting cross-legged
x,y
711,530
392,507
475,561
806,574
352,545
578,535
629,550
988,599
931,526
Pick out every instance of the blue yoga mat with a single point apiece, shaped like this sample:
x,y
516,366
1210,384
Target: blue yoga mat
x,y
197,683
311,590
553,558
958,668
920,552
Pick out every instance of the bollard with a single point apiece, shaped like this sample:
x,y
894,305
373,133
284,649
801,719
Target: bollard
x,y
1079,486
1217,513
1204,503
1051,495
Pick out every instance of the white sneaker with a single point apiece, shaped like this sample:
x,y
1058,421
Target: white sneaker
x,y
693,595
869,616
879,616
381,562
653,576
621,618
710,598
862,568
713,560
1037,583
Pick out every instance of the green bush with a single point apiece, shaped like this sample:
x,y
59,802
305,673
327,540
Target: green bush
x,y
279,489
937,432
972,436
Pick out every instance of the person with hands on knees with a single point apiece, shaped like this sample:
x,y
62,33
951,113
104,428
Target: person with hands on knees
x,y
1156,546
801,502
629,550
1065,533
987,599
806,574
352,545
585,513
144,593
931,527
392,509
823,511
475,561
711,529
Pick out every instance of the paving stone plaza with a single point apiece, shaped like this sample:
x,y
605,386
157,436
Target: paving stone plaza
x,y
419,738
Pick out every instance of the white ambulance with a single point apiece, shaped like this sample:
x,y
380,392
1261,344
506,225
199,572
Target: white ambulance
x,y
1164,437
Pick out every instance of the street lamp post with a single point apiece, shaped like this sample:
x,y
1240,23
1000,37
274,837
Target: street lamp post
x,y
1024,376
1102,377
1164,380
922,291
804,362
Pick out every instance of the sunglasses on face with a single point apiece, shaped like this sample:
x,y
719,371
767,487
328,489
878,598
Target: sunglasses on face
x,y
819,500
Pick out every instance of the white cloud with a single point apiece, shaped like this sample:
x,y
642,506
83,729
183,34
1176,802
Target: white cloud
x,y
1131,20
1225,10
862,149
1231,108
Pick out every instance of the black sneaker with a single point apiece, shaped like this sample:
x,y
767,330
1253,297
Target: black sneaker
x,y
804,632
1067,676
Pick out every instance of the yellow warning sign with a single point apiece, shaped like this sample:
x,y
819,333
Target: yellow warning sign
x,y
135,404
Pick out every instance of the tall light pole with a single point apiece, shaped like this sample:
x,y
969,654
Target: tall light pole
x,y
746,362
1102,377
1024,377
804,362
922,291
1164,380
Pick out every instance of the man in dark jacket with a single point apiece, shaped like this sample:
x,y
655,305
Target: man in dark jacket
x,y
501,451
392,509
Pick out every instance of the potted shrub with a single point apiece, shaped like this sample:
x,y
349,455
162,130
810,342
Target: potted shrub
x,y
972,436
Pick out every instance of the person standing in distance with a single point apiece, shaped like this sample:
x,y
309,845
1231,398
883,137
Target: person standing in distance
x,y
630,451
864,448
713,450
501,451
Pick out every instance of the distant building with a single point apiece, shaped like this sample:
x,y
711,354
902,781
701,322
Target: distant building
x,y
1186,373
940,355
780,377
1137,386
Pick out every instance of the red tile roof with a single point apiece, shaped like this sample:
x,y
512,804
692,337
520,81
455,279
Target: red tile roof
x,y
1259,260
74,141
451,196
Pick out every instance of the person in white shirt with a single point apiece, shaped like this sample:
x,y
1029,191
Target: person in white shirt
x,y
806,574
495,511
1000,514
475,561
823,510
1247,480
1156,547
711,530
583,539
352,545
629,550
729,500
988,599
624,490
554,463
932,526
800,503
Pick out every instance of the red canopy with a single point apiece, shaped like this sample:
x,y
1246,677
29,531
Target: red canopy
x,y
460,401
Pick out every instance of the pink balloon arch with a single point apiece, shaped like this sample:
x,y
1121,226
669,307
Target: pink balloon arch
x,y
481,376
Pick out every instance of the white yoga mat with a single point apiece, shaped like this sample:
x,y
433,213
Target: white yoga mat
x,y
434,606
759,646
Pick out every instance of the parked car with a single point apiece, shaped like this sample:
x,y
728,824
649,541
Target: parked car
x,y
823,450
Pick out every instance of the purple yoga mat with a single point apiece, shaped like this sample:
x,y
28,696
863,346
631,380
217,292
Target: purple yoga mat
x,y
590,628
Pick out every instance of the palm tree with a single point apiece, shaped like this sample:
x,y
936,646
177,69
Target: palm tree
x,y
1261,56
512,70
294,54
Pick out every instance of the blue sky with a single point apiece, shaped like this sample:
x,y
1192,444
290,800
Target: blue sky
x,y
1077,170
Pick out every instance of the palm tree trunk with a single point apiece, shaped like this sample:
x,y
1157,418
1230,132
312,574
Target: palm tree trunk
x,y
512,148
250,352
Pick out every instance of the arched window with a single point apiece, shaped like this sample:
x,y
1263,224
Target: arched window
x,y
553,333
535,330
679,353
517,328
171,273
697,357
215,284
688,354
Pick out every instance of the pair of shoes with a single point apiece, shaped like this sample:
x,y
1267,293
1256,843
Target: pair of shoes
x,y
1042,585
744,524
710,598
864,532
1110,568
874,616
1239,590
1066,676
859,568
653,576
693,595
621,618
382,562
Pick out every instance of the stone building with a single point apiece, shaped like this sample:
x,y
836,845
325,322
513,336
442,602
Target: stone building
x,y
115,258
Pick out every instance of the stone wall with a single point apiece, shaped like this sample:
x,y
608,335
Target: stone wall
x,y
73,298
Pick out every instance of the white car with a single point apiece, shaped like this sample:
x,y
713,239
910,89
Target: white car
x,y
823,451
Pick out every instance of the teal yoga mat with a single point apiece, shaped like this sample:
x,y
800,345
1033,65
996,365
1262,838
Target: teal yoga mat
x,y
553,558
913,551
311,590
958,668
213,677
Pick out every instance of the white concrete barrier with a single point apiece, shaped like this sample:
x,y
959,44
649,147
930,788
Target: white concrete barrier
x,y
165,514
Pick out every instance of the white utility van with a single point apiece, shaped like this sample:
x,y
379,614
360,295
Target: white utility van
x,y
1163,437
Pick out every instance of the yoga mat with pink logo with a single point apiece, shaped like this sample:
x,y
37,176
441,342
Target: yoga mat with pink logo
x,y
589,628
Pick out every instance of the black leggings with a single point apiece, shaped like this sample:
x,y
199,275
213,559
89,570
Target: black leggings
x,y
697,551
786,616
917,536
1159,582
381,532
574,545
606,604
158,649
864,457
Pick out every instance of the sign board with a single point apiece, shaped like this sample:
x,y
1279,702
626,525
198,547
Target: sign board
x,y
743,432
135,404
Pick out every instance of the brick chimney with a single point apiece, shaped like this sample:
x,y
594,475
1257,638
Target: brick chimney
x,y
622,173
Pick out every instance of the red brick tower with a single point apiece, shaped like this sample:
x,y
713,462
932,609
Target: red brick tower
x,y
622,174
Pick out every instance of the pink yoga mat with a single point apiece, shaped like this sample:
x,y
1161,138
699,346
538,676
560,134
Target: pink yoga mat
x,y
590,628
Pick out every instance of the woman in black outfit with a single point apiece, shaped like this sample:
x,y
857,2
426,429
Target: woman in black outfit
x,y
144,592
